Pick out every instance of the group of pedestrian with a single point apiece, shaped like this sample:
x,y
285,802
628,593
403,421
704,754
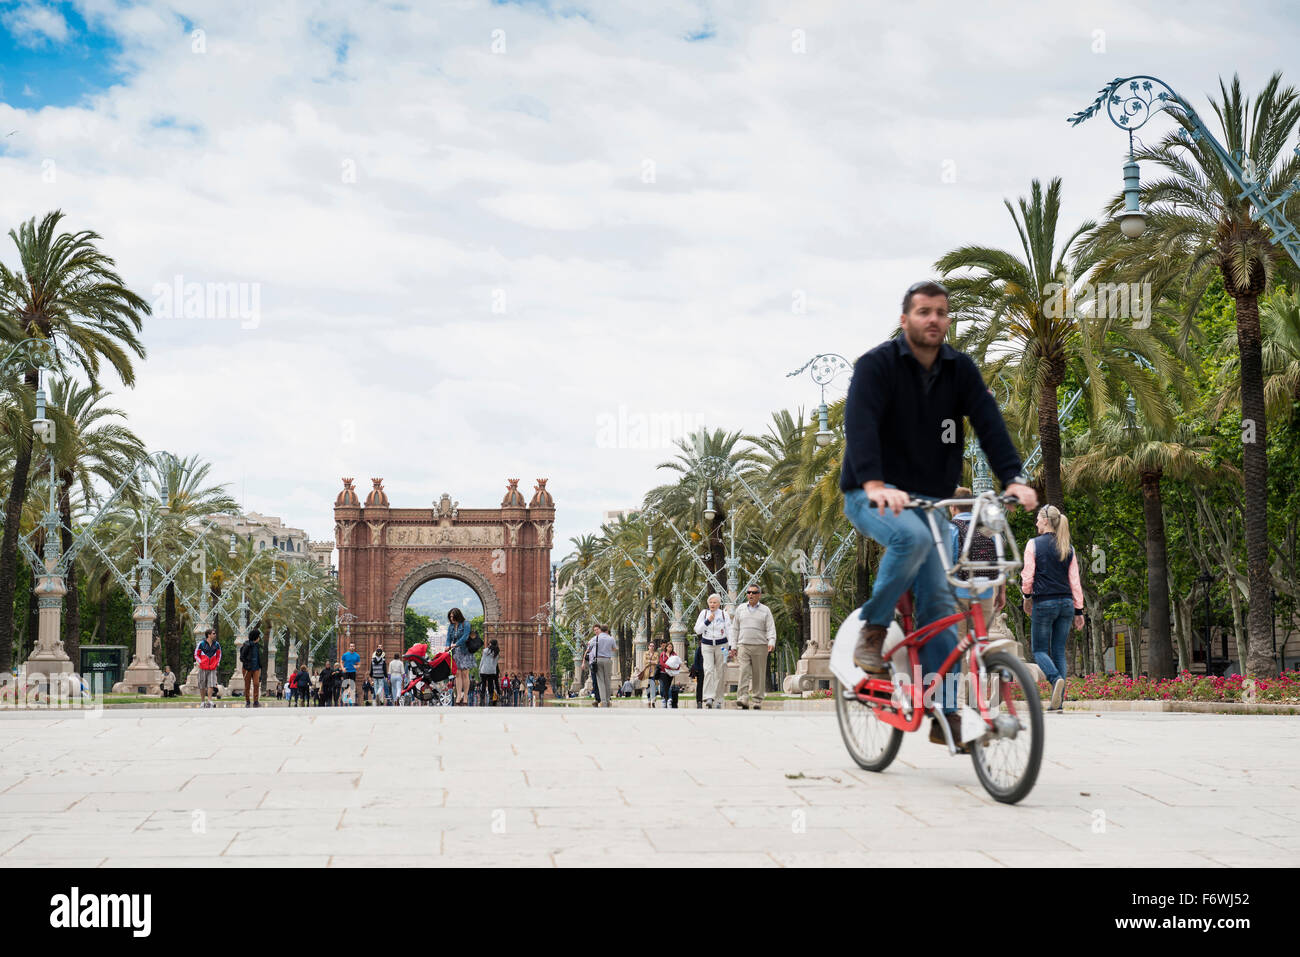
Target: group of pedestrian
x,y
664,673
507,690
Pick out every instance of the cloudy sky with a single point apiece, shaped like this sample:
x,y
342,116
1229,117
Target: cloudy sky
x,y
475,240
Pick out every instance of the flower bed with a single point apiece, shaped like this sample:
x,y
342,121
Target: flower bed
x,y
1285,688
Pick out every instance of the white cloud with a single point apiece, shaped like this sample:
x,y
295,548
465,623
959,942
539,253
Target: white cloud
x,y
33,24
518,180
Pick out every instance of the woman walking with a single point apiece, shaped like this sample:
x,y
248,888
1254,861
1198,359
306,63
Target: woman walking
x,y
713,626
539,689
666,674
650,672
1053,596
458,635
487,668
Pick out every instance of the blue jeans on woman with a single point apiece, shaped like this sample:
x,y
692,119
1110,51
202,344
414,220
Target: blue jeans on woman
x,y
1049,627
911,561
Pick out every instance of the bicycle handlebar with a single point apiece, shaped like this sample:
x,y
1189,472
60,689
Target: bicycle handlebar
x,y
989,516
1004,499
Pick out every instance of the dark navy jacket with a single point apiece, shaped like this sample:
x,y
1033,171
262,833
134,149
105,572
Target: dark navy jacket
x,y
901,432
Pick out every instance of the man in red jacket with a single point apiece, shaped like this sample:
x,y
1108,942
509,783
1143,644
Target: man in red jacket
x,y
208,654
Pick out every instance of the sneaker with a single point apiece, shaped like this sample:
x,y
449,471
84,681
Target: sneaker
x,y
742,706
1058,695
866,654
954,725
708,702
758,707
257,704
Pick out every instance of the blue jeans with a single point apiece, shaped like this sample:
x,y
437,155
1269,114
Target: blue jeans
x,y
1048,629
911,561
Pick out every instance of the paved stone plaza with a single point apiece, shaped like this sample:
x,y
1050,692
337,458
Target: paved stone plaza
x,y
555,787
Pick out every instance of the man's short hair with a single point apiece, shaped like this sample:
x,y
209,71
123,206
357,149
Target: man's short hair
x,y
927,287
962,492
254,634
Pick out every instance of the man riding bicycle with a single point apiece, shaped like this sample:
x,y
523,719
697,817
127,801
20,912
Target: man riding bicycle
x,y
904,439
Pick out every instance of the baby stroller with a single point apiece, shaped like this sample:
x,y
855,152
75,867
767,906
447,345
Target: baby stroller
x,y
430,681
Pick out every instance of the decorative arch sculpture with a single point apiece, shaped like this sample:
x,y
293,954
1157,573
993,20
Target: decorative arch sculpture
x,y
503,553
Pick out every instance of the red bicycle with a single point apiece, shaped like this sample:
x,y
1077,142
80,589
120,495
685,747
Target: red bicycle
x,y
1001,714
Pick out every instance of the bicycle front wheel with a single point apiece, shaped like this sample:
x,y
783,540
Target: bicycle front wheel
x,y
1008,757
872,744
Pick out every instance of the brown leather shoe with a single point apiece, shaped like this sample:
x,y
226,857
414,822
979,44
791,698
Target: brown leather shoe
x,y
866,654
954,725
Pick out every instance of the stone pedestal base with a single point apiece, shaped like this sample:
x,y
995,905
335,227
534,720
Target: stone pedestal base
x,y
43,664
809,673
140,674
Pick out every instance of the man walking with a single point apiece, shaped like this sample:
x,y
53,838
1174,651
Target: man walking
x,y
753,633
602,663
903,438
208,655
350,661
712,626
252,657
379,675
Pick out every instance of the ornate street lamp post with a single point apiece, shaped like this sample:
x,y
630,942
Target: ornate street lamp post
x,y
823,368
49,658
1131,102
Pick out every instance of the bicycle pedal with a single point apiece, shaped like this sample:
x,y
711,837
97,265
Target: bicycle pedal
x,y
972,725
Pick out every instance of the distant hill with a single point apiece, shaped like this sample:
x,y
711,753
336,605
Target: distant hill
x,y
436,598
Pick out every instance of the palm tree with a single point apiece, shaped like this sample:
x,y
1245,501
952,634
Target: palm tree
x,y
684,501
179,483
1041,314
64,290
88,447
1121,448
1200,225
1279,318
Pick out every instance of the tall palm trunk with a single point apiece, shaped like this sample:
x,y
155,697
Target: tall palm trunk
x,y
72,600
717,549
1049,437
9,541
101,619
1161,662
172,631
1254,454
862,568
805,622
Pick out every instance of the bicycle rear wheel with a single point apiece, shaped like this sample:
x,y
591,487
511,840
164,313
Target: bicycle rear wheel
x,y
1008,757
872,744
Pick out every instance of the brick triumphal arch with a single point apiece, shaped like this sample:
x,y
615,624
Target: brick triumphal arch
x,y
504,554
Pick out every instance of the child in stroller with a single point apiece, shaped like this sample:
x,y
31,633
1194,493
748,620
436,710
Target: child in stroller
x,y
430,679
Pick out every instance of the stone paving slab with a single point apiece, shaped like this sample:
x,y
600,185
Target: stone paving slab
x,y
627,787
